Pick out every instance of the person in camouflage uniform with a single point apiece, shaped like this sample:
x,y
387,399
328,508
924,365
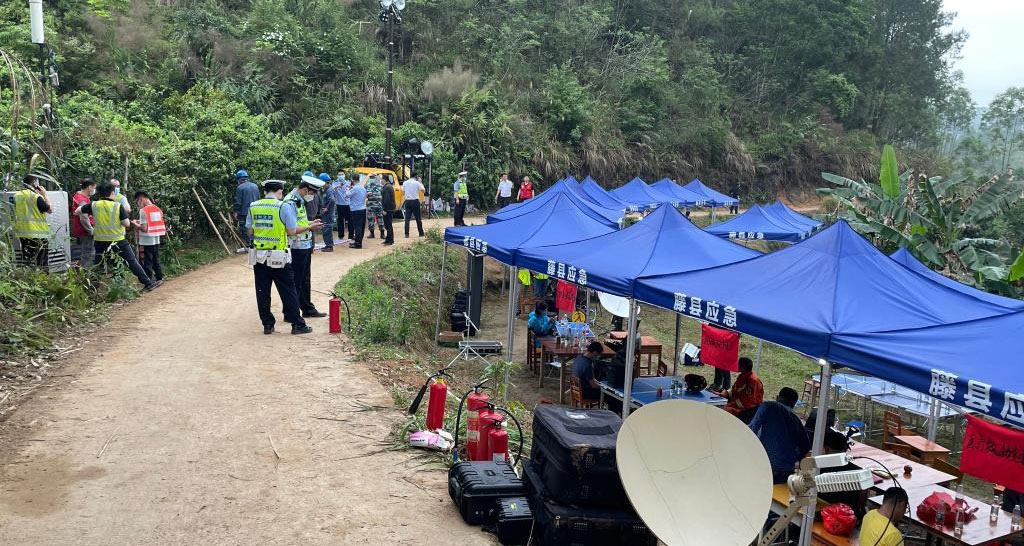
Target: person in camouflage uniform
x,y
374,205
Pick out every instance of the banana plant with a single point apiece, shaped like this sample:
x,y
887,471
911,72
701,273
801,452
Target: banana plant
x,y
935,219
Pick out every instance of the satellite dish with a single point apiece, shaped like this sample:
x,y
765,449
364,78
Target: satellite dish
x,y
399,4
615,305
427,147
710,484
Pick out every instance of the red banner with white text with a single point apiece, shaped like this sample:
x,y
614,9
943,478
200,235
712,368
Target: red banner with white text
x,y
994,453
719,348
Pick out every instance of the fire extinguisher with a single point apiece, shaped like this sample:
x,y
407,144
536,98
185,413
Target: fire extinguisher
x,y
436,402
494,437
334,313
478,401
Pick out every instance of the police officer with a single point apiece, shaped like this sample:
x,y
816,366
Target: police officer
x,y
461,192
31,205
270,222
302,243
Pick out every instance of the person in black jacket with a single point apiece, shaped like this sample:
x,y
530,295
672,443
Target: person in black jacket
x,y
387,201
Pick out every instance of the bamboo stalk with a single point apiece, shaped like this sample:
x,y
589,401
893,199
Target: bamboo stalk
x,y
213,225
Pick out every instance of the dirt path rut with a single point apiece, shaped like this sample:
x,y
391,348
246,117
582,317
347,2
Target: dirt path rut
x,y
164,429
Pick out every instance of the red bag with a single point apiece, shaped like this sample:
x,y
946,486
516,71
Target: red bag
x,y
838,518
933,503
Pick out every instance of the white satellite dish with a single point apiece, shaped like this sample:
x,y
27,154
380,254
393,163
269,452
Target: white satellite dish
x,y
615,305
695,474
427,147
399,5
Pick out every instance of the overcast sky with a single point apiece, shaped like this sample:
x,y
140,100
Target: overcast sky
x,y
992,58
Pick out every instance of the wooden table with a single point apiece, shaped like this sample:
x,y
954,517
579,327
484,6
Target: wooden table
x,y
819,536
976,531
552,350
930,451
649,345
921,475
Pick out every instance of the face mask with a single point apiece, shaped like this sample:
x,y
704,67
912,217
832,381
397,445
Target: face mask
x,y
117,191
92,192
308,197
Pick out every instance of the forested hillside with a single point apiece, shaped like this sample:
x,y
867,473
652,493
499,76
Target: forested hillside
x,y
759,94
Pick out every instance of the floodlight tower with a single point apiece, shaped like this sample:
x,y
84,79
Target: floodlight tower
x,y
390,15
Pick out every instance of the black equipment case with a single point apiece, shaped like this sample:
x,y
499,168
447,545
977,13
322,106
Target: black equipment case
x,y
560,525
477,486
573,454
515,521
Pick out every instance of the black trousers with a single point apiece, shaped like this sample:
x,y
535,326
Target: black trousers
x,y
389,227
35,252
344,219
284,279
734,209
302,262
358,226
151,262
412,209
503,202
460,211
123,249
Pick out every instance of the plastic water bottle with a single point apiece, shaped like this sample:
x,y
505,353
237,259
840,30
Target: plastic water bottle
x,y
1015,522
993,513
940,515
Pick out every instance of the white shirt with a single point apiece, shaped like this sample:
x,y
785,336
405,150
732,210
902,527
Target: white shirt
x,y
505,188
144,238
412,188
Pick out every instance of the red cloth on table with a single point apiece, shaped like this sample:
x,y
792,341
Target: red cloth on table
x,y
565,296
993,453
720,348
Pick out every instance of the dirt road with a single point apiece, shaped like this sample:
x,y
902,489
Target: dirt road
x,y
164,430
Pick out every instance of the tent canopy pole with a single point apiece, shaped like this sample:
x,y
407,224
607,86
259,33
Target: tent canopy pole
x,y
627,391
806,526
440,291
513,273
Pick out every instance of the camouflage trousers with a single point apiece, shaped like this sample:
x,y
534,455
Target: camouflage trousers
x,y
375,216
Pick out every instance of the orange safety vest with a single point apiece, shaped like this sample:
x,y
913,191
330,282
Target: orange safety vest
x,y
154,220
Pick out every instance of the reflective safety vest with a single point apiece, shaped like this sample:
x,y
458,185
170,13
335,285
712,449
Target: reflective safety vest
x,y
268,231
107,215
29,223
302,218
524,277
154,220
539,276
461,189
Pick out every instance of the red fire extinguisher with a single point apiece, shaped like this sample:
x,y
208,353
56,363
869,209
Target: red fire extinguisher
x,y
483,448
438,397
497,440
334,313
494,437
476,402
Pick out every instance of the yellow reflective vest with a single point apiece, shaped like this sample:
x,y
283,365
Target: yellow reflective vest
x,y
29,223
107,215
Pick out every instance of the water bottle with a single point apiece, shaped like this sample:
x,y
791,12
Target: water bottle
x,y
1015,521
940,515
958,525
993,513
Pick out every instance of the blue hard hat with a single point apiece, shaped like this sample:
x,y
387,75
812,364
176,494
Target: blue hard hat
x,y
307,173
242,174
325,177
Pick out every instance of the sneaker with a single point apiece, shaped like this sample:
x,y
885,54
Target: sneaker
x,y
327,249
314,314
299,330
267,330
152,286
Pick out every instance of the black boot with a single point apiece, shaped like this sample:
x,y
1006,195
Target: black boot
x,y
370,236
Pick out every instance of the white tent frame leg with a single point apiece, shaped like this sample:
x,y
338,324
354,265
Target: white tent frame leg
x,y
807,524
512,288
627,386
440,292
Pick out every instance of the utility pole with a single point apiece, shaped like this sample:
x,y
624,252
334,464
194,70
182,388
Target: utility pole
x,y
390,15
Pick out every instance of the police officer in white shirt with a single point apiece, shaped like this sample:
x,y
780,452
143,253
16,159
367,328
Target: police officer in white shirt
x,y
411,189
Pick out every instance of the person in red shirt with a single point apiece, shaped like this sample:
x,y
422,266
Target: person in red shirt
x,y
525,189
82,247
747,392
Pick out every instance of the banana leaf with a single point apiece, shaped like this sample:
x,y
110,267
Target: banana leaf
x,y
890,176
1017,269
996,199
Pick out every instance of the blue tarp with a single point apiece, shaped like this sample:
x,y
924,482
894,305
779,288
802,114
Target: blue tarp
x,y
904,257
599,195
663,242
561,218
973,364
686,197
780,210
608,216
800,296
713,198
757,224
639,196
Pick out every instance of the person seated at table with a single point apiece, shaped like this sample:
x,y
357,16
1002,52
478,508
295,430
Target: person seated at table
x,y
583,368
540,323
747,392
879,526
781,433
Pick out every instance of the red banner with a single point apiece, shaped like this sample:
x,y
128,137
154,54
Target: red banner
x,y
994,453
720,348
565,296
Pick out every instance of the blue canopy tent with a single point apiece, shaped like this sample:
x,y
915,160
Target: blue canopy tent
x,y
905,258
663,242
757,224
780,210
686,197
608,216
639,196
599,195
712,197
